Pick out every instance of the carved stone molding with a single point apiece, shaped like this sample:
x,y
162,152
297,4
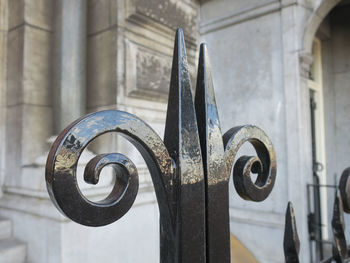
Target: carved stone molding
x,y
165,15
305,59
146,72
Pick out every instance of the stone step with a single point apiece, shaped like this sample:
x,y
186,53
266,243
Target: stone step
x,y
5,228
12,251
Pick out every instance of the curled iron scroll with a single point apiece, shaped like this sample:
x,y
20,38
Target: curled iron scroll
x,y
63,159
264,164
192,195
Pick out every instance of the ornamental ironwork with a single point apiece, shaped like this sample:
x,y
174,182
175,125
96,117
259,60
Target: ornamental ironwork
x,y
190,170
340,249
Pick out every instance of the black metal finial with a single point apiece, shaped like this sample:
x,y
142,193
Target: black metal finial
x,y
291,243
215,169
182,141
190,170
344,189
338,227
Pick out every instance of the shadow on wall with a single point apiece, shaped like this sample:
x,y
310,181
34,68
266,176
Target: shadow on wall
x,y
239,253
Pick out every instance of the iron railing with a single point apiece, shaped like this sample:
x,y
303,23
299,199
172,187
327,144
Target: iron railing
x,y
190,170
340,249
320,246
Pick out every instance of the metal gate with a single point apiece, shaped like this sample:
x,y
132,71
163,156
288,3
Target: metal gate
x,y
190,170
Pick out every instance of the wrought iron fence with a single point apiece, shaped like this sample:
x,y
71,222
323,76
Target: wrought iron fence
x,y
320,245
340,249
190,170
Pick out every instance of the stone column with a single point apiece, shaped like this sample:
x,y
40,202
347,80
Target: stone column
x,y
70,62
3,72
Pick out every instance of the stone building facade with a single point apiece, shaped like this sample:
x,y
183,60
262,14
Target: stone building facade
x,y
63,59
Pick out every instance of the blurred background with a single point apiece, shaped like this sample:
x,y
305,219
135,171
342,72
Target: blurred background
x,y
283,65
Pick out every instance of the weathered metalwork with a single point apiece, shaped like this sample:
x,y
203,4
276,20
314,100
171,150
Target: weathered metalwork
x,y
190,169
340,251
291,242
318,243
344,189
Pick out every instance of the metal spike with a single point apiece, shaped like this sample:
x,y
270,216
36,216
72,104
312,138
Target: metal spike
x,y
338,227
291,243
182,141
344,189
215,170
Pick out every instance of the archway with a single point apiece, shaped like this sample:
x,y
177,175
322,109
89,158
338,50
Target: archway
x,y
314,22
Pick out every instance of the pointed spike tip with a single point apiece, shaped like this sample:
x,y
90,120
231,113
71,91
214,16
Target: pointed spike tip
x,y
203,46
180,46
179,31
203,50
290,210
179,36
291,241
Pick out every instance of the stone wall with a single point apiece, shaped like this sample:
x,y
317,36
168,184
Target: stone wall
x,y
260,56
128,59
29,100
246,52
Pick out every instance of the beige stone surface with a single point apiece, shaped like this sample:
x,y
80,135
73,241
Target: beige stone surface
x,y
13,145
28,126
98,15
27,83
39,13
3,84
147,72
172,14
101,69
15,66
114,8
37,66
37,127
102,15
16,13
213,9
4,15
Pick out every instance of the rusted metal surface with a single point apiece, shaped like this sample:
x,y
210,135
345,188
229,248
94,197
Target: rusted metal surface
x,y
190,169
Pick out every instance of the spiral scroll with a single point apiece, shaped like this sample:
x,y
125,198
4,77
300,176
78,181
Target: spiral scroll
x,y
65,152
190,169
264,164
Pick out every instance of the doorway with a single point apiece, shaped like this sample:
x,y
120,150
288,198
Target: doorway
x,y
317,191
